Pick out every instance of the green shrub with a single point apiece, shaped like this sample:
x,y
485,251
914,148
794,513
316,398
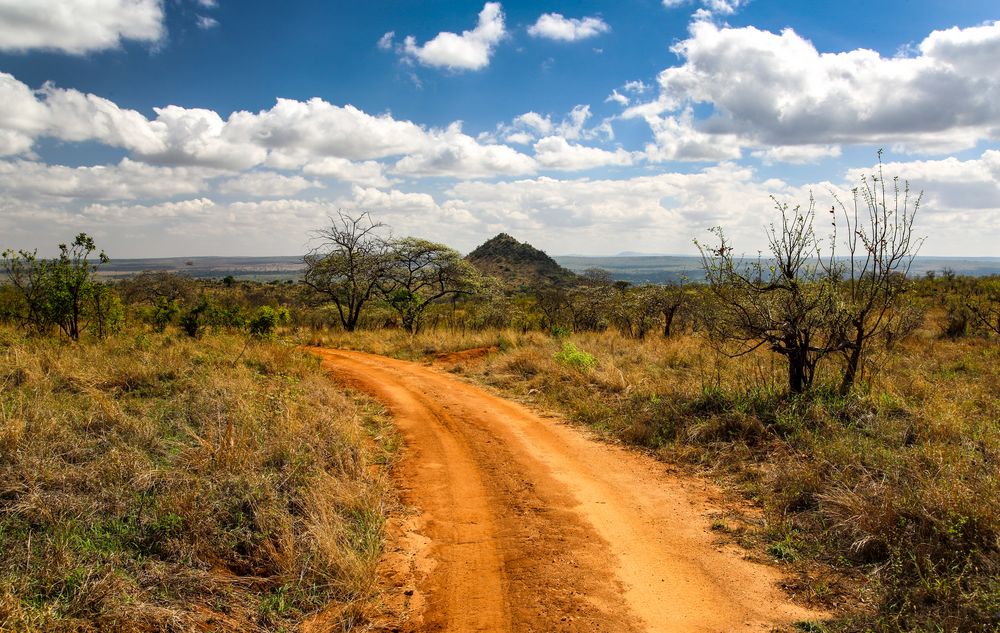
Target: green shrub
x,y
576,358
266,321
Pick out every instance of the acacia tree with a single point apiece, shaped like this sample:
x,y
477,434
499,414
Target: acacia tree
x,y
667,300
880,246
421,272
55,292
783,302
349,264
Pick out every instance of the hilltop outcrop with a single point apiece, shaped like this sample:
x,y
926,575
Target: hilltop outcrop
x,y
517,263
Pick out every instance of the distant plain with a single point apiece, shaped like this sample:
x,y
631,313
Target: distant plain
x,y
633,268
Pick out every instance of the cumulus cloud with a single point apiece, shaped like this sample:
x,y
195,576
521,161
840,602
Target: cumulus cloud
x,y
555,152
267,184
77,26
775,89
460,156
529,127
660,212
635,87
666,210
709,7
958,194
205,22
554,26
469,51
677,138
368,173
128,180
316,136
796,154
137,214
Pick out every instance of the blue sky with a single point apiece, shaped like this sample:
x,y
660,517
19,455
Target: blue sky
x,y
587,127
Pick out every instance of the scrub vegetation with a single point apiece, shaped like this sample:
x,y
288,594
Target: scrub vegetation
x,y
169,458
180,468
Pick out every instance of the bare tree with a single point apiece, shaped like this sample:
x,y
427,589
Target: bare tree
x,y
348,264
782,302
422,272
880,250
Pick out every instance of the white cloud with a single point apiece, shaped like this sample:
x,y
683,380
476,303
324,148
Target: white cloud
x,y
385,42
208,4
709,7
554,26
554,152
78,26
469,51
68,115
677,138
368,173
966,192
267,184
136,214
531,126
772,90
618,98
459,156
325,139
205,22
535,121
320,129
660,212
520,138
665,211
796,154
724,7
635,87
127,180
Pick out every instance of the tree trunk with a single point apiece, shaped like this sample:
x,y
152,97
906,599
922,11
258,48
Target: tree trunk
x,y
796,371
668,319
853,362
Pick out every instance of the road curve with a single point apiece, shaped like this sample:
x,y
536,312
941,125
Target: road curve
x,y
525,524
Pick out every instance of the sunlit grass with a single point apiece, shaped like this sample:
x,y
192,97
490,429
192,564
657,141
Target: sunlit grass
x,y
152,482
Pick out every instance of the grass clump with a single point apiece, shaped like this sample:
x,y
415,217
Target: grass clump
x,y
571,356
151,483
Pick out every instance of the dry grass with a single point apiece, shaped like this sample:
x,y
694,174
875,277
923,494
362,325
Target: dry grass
x,y
897,485
150,483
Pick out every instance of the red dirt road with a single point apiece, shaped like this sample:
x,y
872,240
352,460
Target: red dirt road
x,y
525,524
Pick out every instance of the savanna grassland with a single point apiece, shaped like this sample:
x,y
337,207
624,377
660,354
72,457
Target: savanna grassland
x,y
153,481
170,459
884,503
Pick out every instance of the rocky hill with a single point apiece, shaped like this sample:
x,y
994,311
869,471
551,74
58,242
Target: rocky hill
x,y
518,263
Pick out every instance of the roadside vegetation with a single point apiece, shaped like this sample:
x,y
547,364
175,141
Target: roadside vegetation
x,y
157,476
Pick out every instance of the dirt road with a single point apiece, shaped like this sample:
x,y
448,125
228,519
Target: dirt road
x,y
525,524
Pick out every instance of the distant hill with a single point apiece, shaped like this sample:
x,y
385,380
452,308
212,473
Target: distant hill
x,y
517,263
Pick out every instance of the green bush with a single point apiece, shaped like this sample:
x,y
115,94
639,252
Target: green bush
x,y
574,357
266,321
